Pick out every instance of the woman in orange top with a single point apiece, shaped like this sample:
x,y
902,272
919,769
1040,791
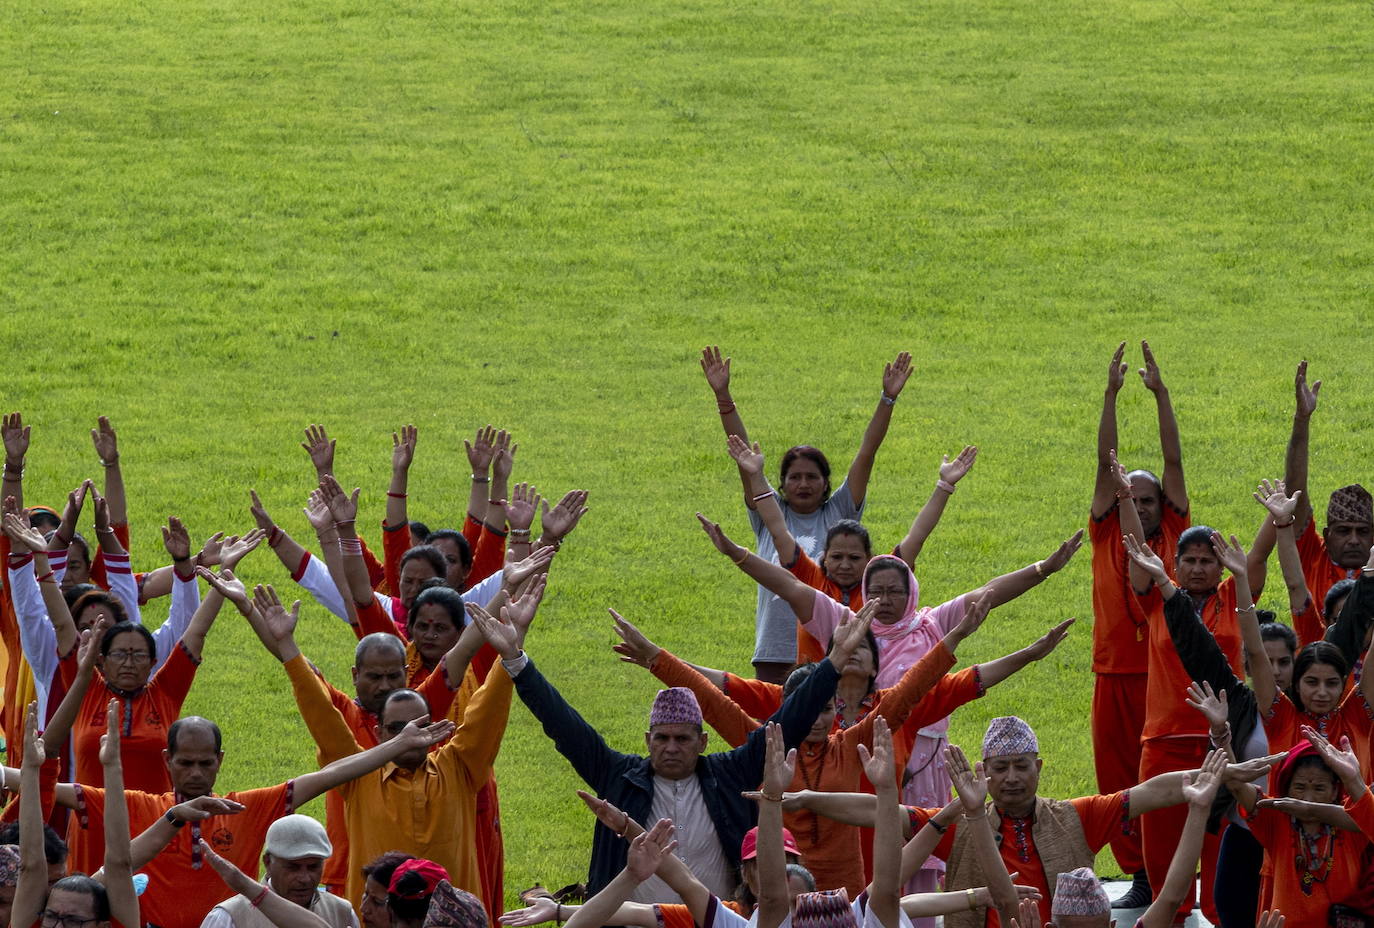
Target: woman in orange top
x,y
150,702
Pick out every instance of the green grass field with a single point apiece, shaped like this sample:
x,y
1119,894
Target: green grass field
x,y
225,221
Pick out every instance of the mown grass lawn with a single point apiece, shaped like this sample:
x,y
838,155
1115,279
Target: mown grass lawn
x,y
223,221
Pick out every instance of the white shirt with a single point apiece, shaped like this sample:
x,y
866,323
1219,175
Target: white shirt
x,y
698,845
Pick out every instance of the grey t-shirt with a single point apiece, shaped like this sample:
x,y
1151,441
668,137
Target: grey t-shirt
x,y
775,625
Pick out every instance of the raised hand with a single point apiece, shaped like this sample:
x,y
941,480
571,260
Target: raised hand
x,y
101,507
260,516
105,441
1116,379
608,814
634,647
895,375
280,623
208,555
1270,919
878,764
320,447
235,549
722,541
515,573
1344,763
540,910
847,638
109,742
649,849
15,435
1273,495
716,369
403,447
503,459
481,449
1145,557
1047,642
1201,788
1232,556
1028,911
1063,554
975,611
1212,705
342,507
557,522
1306,397
176,539
22,535
1118,473
1247,771
1150,372
421,733
779,766
228,586
88,648
520,509
34,754
203,807
953,471
522,606
971,783
748,457
317,512
500,633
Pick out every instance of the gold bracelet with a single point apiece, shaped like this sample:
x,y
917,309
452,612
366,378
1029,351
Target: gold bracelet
x,y
743,557
972,900
1039,571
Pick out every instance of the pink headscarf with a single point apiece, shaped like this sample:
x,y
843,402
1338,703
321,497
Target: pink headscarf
x,y
909,617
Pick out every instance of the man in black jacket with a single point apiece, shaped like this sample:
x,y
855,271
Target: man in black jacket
x,y
700,792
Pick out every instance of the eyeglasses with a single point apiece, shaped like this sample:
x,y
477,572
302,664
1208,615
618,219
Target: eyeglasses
x,y
129,657
895,593
51,919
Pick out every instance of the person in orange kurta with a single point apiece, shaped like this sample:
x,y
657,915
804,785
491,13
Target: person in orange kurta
x,y
1313,859
1120,647
1176,737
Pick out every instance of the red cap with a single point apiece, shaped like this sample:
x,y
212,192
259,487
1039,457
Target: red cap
x,y
427,870
748,848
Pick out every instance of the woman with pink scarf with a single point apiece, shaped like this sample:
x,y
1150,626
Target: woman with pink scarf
x,y
904,633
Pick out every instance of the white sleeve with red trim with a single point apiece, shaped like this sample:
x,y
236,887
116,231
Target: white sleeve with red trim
x,y
123,586
319,584
485,590
57,563
185,602
37,637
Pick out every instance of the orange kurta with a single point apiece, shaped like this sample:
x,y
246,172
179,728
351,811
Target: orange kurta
x,y
1320,572
143,735
182,888
1168,714
1308,908
809,572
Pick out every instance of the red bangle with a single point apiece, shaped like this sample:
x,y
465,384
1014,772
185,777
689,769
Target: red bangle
x,y
46,577
762,496
274,536
261,896
395,495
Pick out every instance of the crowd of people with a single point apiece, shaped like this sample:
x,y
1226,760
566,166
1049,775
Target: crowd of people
x,y
1221,735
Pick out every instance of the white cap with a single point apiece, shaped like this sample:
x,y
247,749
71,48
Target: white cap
x,y
294,836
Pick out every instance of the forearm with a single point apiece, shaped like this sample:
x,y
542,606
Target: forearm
x,y
772,865
601,908
923,525
925,841
1131,525
13,485
194,639
780,582
1158,792
341,771
56,605
396,511
31,889
1000,886
333,559
114,492
1178,884
862,467
355,569
887,842
117,849
287,549
64,717
151,842
1290,563
1169,444
995,671
1295,466
1007,587
858,809
477,496
717,677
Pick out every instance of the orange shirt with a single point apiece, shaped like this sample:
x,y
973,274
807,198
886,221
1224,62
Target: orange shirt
x,y
1167,714
1310,624
1101,817
1351,718
143,735
809,572
1318,569
182,888
1308,906
755,697
488,555
1119,619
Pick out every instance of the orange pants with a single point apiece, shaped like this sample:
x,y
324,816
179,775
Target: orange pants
x,y
491,851
1162,828
1118,720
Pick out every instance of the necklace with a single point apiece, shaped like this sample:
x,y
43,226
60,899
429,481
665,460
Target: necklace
x,y
865,706
1022,827
815,785
1315,857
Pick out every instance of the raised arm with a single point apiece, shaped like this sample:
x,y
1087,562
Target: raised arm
x,y
995,671
524,503
778,769
885,891
1104,490
31,889
762,498
894,379
648,851
717,371
480,452
971,784
1282,507
1175,490
344,509
155,838
107,451
778,580
418,733
502,463
223,585
951,472
557,523
1232,557
402,453
64,716
1007,587
15,435
1129,518
1295,461
278,911
118,872
23,537
1198,790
